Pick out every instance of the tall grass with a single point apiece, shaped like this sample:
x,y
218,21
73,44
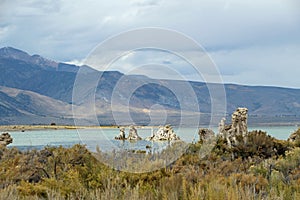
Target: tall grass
x,y
74,173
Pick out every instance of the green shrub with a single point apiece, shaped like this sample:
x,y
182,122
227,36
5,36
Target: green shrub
x,y
259,143
74,173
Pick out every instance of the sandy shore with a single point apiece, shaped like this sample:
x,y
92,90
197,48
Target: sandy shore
x,y
4,128
47,127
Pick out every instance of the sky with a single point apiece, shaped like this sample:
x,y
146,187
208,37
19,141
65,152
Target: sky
x,y
252,42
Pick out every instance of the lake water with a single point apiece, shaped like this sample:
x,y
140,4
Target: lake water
x,y
104,138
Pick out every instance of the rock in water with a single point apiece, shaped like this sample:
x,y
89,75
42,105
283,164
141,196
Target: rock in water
x,y
165,133
5,139
133,134
121,135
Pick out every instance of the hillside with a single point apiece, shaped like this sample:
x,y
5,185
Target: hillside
x,y
31,108
41,89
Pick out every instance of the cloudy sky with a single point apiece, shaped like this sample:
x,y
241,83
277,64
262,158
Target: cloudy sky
x,y
255,42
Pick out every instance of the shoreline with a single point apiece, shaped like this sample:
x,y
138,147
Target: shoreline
x,y
47,127
4,128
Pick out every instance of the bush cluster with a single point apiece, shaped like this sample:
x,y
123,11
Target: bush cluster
x,y
261,168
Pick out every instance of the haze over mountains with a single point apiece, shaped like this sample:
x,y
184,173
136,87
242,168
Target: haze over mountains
x,y
35,90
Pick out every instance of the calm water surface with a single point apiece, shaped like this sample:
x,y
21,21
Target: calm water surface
x,y
104,137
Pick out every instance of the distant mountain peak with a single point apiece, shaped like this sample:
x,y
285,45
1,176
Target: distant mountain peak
x,y
13,53
11,49
39,60
10,52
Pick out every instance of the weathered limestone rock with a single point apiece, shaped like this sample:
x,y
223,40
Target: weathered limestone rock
x,y
237,128
133,134
239,122
295,136
165,133
205,134
5,139
121,135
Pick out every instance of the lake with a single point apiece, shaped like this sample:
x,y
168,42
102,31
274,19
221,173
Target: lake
x,y
104,138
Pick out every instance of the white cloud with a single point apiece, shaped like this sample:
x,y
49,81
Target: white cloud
x,y
144,3
232,30
4,31
75,62
271,65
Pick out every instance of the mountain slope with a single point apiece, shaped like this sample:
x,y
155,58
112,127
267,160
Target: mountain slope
x,y
37,87
35,73
30,105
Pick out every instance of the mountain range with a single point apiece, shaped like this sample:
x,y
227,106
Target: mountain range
x,y
35,90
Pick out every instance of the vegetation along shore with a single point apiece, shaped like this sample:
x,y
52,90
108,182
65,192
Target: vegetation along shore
x,y
241,165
